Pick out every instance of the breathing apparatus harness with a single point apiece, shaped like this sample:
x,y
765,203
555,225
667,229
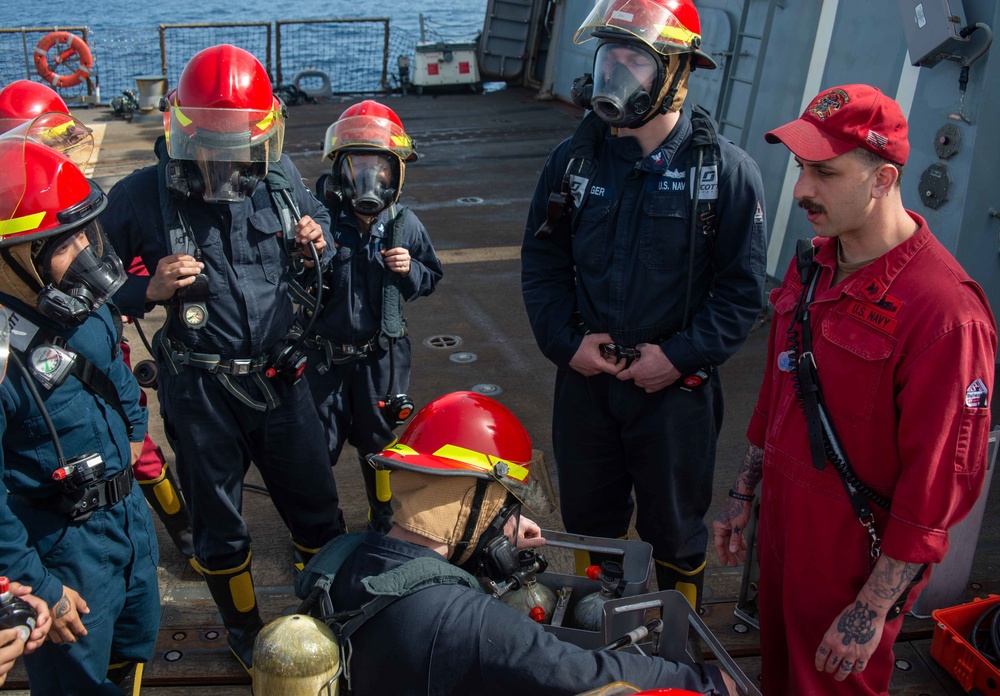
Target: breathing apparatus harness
x,y
562,214
824,442
181,182
395,408
313,585
81,479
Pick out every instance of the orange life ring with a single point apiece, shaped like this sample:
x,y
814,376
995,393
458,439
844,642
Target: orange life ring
x,y
75,47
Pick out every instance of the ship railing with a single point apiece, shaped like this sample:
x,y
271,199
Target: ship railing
x,y
347,56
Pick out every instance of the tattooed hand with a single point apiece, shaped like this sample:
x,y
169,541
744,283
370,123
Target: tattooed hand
x,y
856,632
729,526
67,624
728,529
850,640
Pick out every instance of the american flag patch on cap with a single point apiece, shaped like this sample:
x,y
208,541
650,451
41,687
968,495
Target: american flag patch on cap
x,y
877,139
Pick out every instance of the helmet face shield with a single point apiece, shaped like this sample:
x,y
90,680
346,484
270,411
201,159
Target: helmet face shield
x,y
61,132
653,23
370,132
627,80
224,135
529,482
664,26
370,180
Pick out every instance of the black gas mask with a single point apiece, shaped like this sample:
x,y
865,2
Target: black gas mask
x,y
214,182
81,272
369,180
628,78
496,561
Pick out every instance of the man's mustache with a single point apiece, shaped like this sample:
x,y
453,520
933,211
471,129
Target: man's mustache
x,y
811,206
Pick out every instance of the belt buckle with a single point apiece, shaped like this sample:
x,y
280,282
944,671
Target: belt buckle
x,y
348,349
240,366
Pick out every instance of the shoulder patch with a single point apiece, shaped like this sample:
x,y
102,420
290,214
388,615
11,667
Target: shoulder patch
x,y
977,395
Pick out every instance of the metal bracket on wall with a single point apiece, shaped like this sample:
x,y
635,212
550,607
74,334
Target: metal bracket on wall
x,y
947,140
935,182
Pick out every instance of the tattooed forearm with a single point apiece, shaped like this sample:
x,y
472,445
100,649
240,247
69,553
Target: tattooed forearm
x,y
752,468
890,577
62,607
857,624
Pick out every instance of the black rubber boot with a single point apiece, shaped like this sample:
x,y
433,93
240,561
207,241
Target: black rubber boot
x,y
164,496
232,590
691,584
127,676
301,555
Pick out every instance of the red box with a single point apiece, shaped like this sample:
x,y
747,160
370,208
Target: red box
x,y
952,650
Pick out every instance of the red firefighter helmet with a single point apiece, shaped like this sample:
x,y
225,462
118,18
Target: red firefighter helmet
x,y
42,193
23,100
224,109
666,26
469,434
371,126
62,262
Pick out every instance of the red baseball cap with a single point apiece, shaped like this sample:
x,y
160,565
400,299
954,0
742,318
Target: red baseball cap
x,y
842,118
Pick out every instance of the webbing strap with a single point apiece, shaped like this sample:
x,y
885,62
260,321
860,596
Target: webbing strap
x,y
392,301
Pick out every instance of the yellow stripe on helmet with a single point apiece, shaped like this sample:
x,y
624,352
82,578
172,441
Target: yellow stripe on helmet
x,y
266,122
401,141
482,461
24,223
184,120
401,449
678,34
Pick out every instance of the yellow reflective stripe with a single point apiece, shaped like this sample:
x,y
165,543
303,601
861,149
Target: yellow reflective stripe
x,y
266,122
58,130
400,448
676,33
482,461
184,120
401,141
21,224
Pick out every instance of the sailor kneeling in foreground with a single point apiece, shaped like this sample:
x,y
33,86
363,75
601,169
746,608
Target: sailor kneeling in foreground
x,y
460,473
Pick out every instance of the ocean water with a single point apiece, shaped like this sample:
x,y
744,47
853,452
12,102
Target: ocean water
x,y
453,19
123,36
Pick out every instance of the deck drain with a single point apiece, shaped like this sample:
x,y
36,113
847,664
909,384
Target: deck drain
x,y
488,389
741,628
173,655
180,635
463,357
443,341
212,635
903,665
470,200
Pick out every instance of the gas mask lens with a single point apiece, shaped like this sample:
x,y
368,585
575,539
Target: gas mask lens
x,y
371,181
624,80
84,266
229,182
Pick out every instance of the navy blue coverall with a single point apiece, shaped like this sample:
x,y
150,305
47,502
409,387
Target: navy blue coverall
x,y
453,639
217,421
349,371
624,271
109,558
